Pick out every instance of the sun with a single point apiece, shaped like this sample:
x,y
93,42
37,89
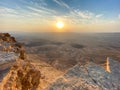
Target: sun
x,y
59,24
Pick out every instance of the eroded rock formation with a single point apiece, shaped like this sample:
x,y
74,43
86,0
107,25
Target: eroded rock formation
x,y
22,76
8,44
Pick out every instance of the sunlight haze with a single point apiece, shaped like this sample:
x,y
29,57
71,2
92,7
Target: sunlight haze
x,y
78,15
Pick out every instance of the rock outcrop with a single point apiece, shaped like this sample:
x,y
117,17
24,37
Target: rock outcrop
x,y
7,53
10,51
89,77
22,76
9,44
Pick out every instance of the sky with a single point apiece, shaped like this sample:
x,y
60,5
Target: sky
x,y
77,15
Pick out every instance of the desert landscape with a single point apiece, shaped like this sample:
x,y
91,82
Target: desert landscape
x,y
80,61
64,50
59,44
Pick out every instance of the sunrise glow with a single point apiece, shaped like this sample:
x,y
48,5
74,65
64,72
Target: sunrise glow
x,y
59,24
60,15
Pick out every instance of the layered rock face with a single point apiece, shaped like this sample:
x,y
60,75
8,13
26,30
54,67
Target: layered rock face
x,y
89,77
8,53
9,44
10,50
6,60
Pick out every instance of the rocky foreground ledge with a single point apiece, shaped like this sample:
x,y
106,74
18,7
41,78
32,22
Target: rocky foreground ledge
x,y
90,77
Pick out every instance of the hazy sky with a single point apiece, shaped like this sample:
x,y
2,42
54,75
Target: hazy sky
x,y
77,15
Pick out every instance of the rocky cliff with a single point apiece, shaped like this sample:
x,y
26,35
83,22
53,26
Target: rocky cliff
x,y
19,72
15,72
9,52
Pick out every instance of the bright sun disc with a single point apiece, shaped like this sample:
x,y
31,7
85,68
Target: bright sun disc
x,y
59,24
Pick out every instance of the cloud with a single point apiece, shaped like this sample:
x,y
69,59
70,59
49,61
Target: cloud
x,y
7,12
61,3
39,12
119,16
85,17
85,14
99,15
28,10
4,10
40,8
